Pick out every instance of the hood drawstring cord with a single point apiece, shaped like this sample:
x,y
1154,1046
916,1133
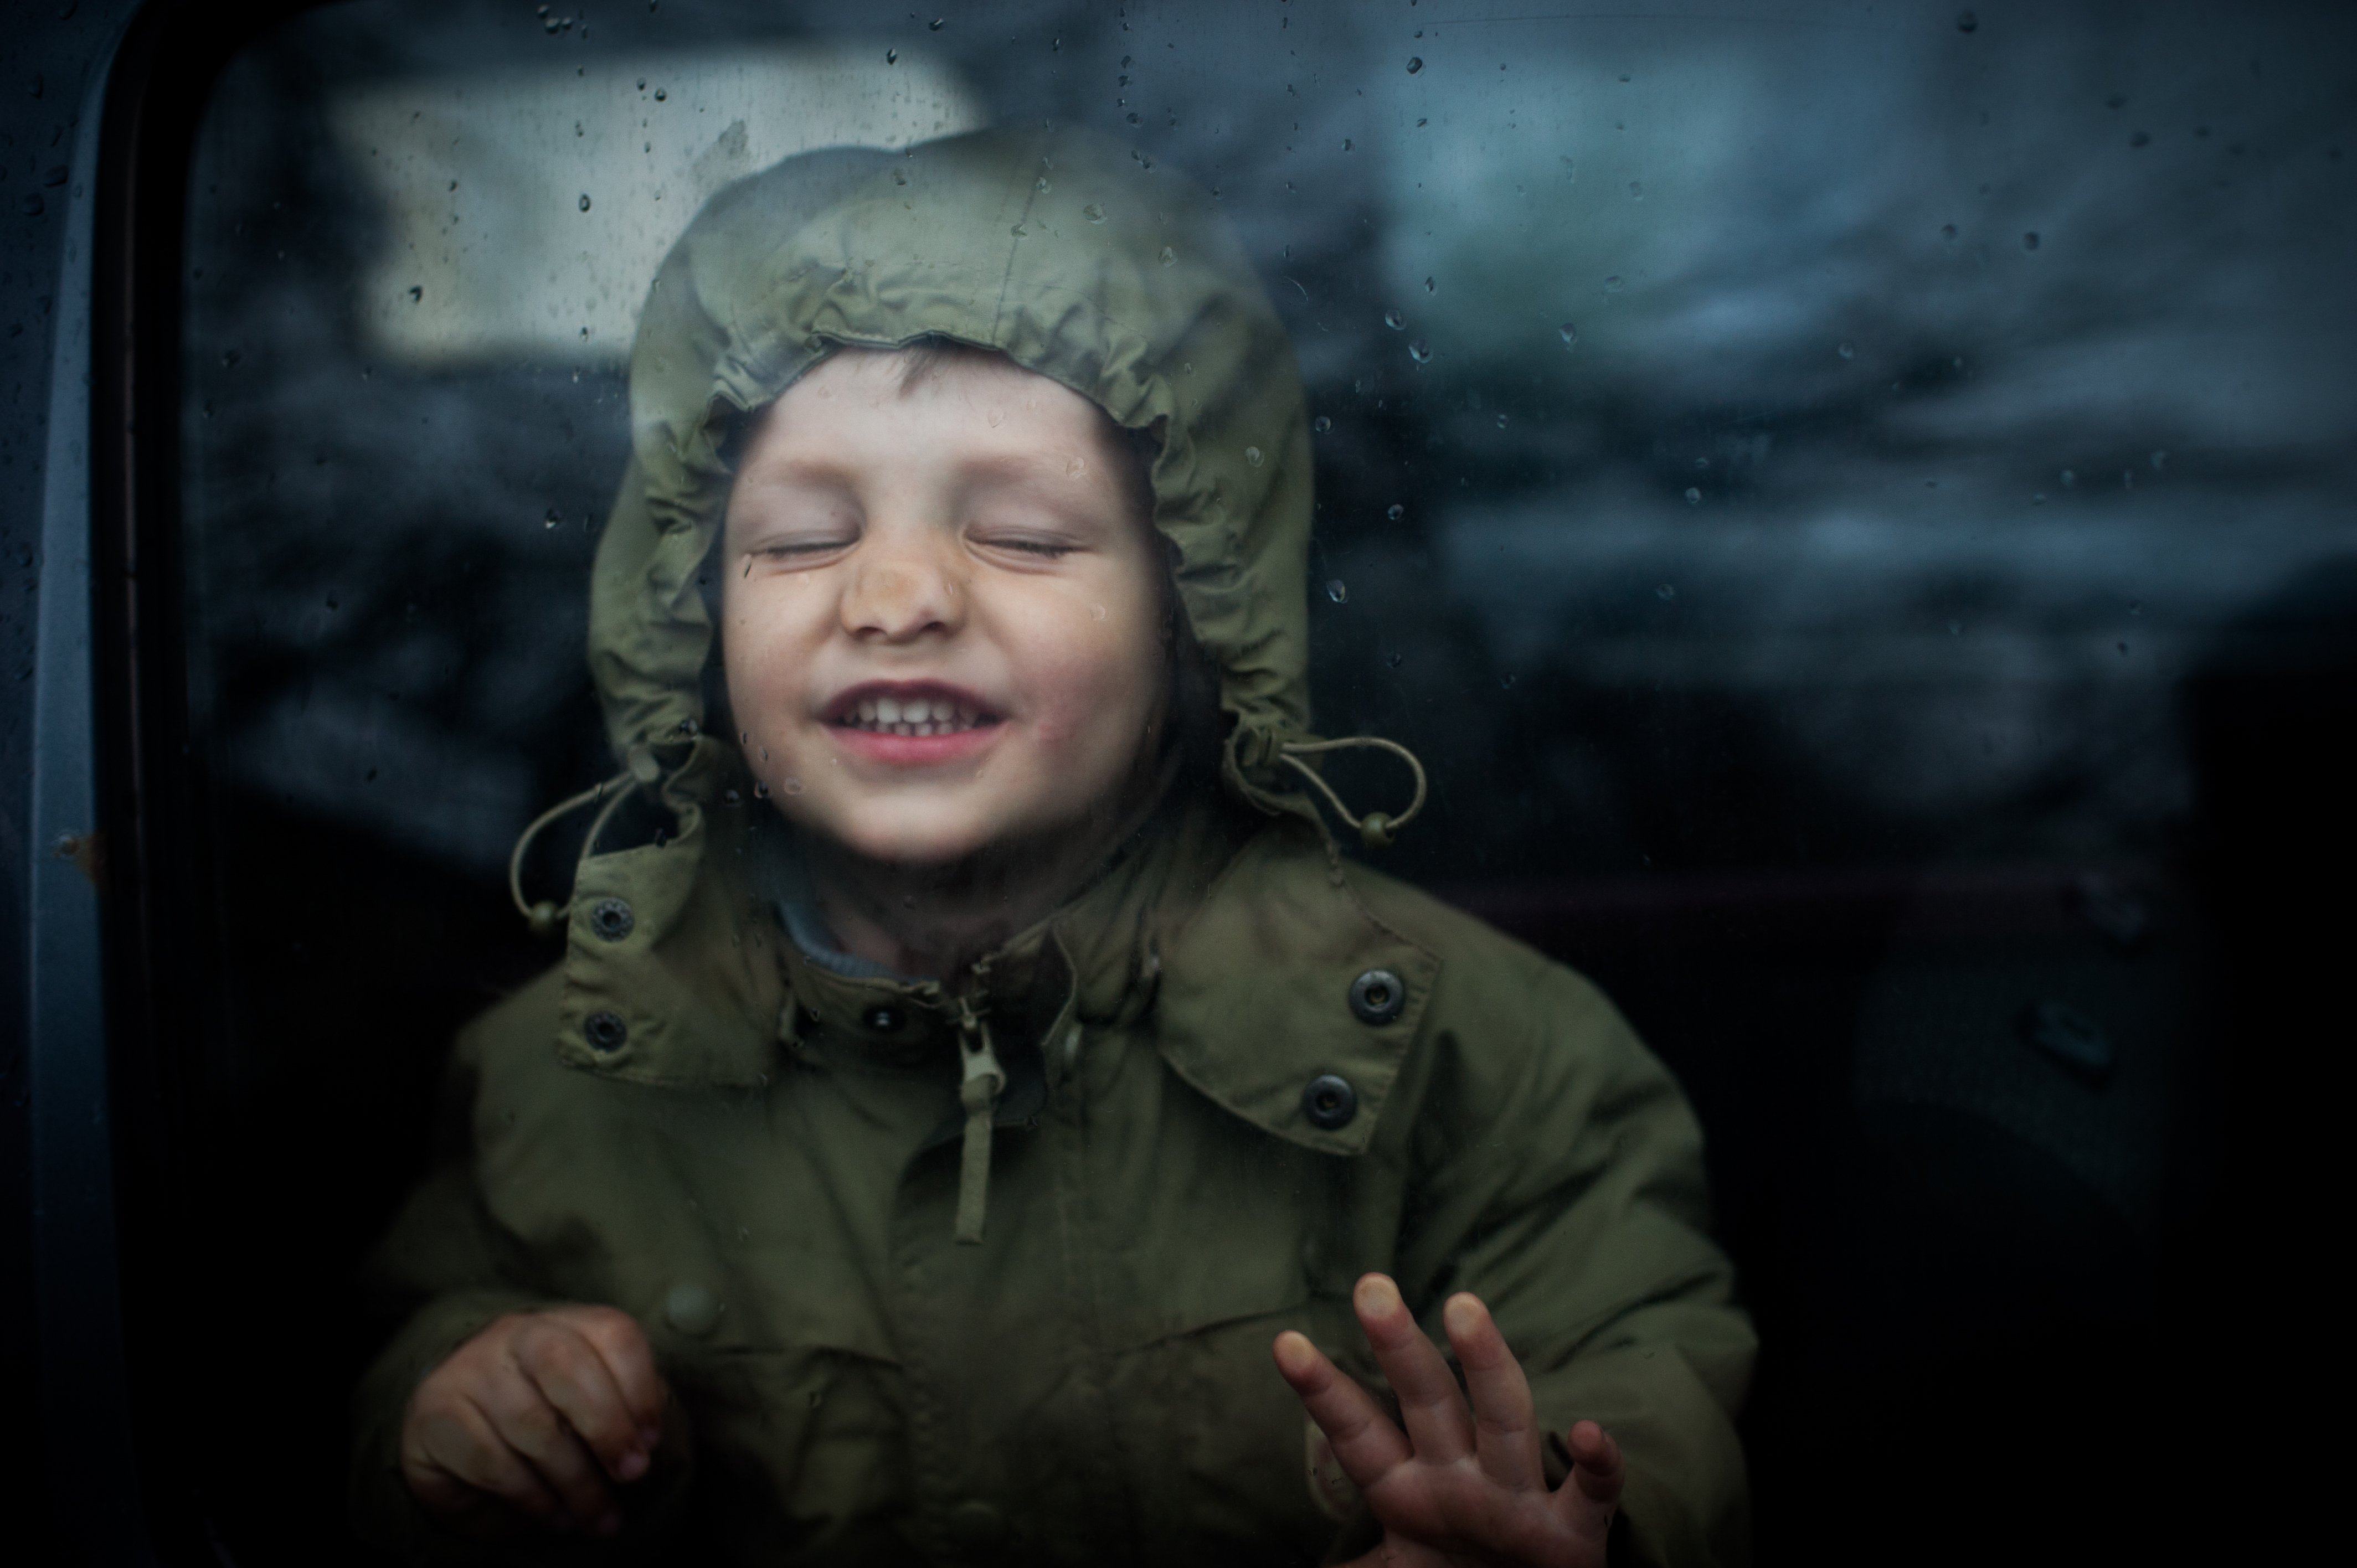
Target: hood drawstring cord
x,y
1375,830
978,1092
546,918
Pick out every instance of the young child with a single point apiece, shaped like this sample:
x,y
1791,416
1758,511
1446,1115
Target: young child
x,y
980,1115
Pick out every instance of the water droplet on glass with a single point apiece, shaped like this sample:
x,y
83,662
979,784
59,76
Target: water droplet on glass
x,y
1501,422
1040,185
417,293
1321,425
642,84
1346,143
1569,333
1612,284
2159,461
1847,350
1395,512
1097,612
2140,139
1395,320
934,26
229,357
1665,593
1133,117
1092,212
2069,479
1337,592
731,798
1394,661
1413,65
584,202
1955,628
1429,286
551,518
1505,682
661,94
1252,455
1966,21
891,57
1418,349
1169,256
1947,231
760,791
792,784
1637,190
1693,495
2030,240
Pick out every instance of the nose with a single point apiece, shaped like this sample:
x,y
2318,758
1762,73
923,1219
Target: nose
x,y
903,589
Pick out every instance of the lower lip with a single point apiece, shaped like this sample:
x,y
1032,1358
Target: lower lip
x,y
915,750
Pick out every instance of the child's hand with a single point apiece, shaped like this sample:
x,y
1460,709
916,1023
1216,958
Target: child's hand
x,y
530,1417
1459,1487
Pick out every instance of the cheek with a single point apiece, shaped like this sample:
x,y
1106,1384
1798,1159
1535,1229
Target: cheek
x,y
1097,680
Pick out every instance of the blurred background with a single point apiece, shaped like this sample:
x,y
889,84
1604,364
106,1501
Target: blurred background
x,y
1852,503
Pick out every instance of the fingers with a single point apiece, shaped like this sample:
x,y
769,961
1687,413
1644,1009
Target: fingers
x,y
528,1423
1366,1443
576,1380
621,1344
452,1456
1596,1467
1506,1440
1430,1405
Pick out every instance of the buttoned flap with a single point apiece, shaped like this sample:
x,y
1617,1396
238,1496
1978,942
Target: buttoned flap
x,y
1285,1002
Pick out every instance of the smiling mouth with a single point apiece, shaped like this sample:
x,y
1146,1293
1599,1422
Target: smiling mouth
x,y
914,716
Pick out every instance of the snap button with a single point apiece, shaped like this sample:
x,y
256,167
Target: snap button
x,y
1330,1102
692,1309
605,1031
611,919
1377,996
882,1020
976,1525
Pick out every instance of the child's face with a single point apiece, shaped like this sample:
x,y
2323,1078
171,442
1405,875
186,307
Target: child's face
x,y
970,548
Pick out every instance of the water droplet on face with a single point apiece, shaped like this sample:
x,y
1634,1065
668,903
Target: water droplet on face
x,y
1321,425
1966,22
1395,320
1569,333
1252,455
1665,593
1169,256
792,784
1092,212
1337,592
996,417
1074,468
1418,349
1097,612
2030,240
584,202
1396,511
1847,350
1413,65
1693,495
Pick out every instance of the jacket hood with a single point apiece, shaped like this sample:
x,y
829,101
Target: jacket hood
x,y
1077,259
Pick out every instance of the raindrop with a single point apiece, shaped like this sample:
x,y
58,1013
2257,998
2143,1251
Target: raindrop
x,y
1418,349
1092,212
1133,116
417,293
761,789
1665,593
1413,65
2140,139
1321,425
1569,333
899,177
1346,143
688,727
1637,190
731,798
1252,455
551,518
2030,240
1693,495
642,84
2159,461
2136,606
661,94
792,784
1966,22
1040,185
2069,479
1395,512
891,57
934,26
1394,661
1394,319
1505,682
1501,422
1947,231
584,202
31,205
1612,284
1428,285
229,357
1847,350
1169,256
1337,592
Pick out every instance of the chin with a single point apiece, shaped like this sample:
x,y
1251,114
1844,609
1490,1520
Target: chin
x,y
901,842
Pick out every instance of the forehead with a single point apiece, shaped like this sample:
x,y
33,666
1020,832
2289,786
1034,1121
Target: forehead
x,y
866,402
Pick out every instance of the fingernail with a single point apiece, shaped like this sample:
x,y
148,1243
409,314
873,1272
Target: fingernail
x,y
608,1522
1293,1353
633,1465
1377,1296
1462,1315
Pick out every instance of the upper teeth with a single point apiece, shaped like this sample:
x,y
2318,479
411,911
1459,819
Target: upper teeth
x,y
911,716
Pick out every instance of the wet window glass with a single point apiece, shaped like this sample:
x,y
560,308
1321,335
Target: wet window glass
x,y
1846,508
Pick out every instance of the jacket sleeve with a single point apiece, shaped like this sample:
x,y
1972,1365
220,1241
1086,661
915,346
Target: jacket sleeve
x,y
443,1272
1560,1179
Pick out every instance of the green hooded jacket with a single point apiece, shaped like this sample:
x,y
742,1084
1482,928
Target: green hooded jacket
x,y
1238,1072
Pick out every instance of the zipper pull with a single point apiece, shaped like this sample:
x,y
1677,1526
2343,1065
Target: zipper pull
x,y
978,1092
